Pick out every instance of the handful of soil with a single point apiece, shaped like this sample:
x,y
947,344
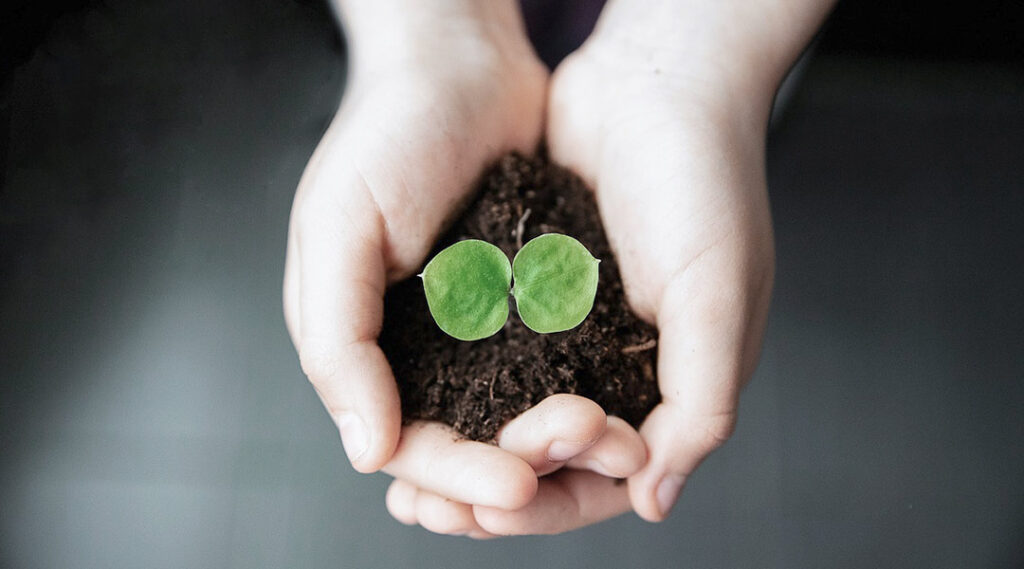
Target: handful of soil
x,y
476,387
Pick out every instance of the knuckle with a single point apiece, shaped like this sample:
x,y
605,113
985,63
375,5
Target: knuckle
x,y
318,362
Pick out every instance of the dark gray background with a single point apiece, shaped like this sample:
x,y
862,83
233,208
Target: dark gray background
x,y
152,412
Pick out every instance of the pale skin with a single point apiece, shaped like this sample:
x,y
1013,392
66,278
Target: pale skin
x,y
663,111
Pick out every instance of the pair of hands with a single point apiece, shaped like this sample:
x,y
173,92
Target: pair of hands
x,y
674,149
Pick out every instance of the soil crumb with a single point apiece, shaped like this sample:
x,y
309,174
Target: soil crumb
x,y
476,387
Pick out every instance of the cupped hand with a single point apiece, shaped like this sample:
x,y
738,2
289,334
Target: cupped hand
x,y
676,158
414,131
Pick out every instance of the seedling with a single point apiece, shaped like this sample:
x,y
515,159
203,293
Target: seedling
x,y
468,284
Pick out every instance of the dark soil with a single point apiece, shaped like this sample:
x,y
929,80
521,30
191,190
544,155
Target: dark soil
x,y
478,386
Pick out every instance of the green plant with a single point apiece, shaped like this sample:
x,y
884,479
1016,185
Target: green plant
x,y
467,286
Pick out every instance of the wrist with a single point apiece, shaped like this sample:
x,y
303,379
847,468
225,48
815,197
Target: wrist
x,y
407,35
733,56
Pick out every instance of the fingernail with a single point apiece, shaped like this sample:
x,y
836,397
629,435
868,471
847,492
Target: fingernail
x,y
354,435
561,451
594,465
668,492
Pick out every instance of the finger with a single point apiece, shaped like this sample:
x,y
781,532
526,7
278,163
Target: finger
x,y
442,515
342,275
565,501
710,330
678,442
401,501
619,453
432,457
553,431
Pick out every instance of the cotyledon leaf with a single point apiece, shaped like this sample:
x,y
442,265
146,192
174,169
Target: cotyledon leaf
x,y
555,283
467,286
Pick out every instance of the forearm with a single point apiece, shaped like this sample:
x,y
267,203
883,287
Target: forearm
x,y
746,47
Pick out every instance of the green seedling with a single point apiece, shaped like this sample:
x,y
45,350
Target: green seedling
x,y
467,289
555,283
468,284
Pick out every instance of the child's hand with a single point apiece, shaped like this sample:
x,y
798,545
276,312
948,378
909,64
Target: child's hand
x,y
432,98
681,187
664,112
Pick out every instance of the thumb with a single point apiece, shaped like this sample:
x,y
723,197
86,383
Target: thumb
x,y
710,322
341,281
677,441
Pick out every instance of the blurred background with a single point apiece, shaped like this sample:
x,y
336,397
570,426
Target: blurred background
x,y
153,414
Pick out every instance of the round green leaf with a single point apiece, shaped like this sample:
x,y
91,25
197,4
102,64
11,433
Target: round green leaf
x,y
467,289
555,283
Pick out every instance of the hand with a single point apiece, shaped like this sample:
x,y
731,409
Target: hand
x,y
680,184
664,112
433,97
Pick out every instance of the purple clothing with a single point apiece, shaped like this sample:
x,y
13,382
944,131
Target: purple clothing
x,y
557,27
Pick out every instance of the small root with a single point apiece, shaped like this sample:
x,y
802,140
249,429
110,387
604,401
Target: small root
x,y
520,226
649,344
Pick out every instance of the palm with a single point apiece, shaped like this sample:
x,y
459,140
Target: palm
x,y
416,146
